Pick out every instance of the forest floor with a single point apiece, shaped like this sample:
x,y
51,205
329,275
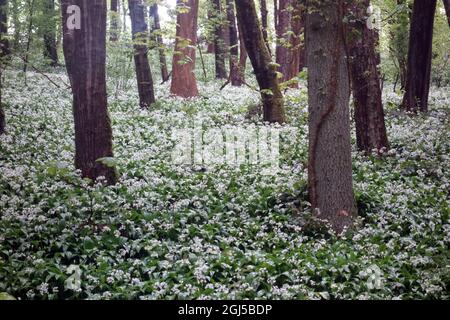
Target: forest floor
x,y
177,231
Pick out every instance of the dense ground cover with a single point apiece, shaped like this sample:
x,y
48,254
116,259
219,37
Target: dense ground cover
x,y
171,231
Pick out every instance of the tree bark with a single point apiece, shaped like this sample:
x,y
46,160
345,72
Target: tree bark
x,y
184,83
50,48
242,54
114,27
85,55
4,51
419,56
219,41
330,163
289,50
363,61
156,30
447,10
265,22
235,73
283,51
265,70
140,35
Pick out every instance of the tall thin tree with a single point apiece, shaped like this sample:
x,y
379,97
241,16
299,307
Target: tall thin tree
x,y
184,83
330,163
265,22
114,21
49,31
85,55
235,73
264,68
219,40
420,54
139,31
156,31
363,61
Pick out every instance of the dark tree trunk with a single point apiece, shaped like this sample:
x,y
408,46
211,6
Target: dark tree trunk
x,y
265,70
156,29
330,163
419,56
184,83
242,54
365,80
50,48
235,73
298,28
447,10
265,22
29,34
4,51
16,22
219,41
114,27
140,35
85,55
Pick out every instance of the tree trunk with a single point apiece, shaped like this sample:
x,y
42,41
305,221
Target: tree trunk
x,y
365,80
156,30
235,73
184,83
29,34
399,42
85,55
242,55
283,51
265,70
265,22
114,27
50,48
15,12
330,162
298,28
4,51
219,41
140,35
447,10
420,56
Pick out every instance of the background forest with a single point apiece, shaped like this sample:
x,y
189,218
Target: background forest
x,y
94,206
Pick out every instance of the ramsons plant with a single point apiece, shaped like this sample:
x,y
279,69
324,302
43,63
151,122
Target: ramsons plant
x,y
167,231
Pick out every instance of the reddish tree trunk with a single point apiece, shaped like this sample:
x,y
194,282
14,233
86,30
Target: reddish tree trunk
x,y
265,70
143,73
219,41
156,28
365,80
235,73
289,26
330,162
114,28
85,55
447,10
419,56
184,83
